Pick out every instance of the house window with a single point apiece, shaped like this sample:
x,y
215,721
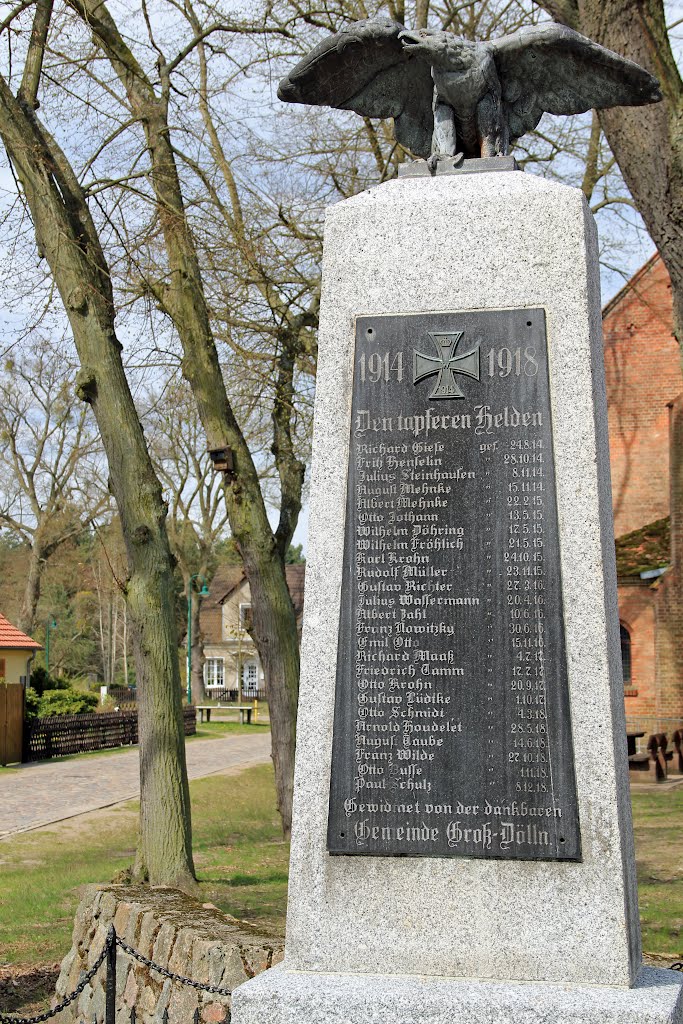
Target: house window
x,y
625,638
214,673
250,679
245,616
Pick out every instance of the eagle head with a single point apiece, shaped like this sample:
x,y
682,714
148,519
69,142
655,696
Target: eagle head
x,y
440,49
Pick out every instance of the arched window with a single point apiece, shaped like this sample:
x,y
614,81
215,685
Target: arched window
x,y
625,638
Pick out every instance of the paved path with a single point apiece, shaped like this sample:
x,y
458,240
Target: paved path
x,y
38,794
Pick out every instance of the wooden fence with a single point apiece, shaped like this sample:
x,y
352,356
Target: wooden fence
x,y
73,734
11,717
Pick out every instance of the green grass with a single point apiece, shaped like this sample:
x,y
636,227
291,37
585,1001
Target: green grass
x,y
208,730
242,863
240,857
658,824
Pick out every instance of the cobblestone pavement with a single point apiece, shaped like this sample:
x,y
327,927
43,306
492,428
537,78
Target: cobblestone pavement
x,y
38,794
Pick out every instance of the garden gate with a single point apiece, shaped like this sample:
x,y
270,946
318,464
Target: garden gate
x,y
11,722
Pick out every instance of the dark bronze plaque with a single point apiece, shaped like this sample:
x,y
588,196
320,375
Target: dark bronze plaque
x,y
452,732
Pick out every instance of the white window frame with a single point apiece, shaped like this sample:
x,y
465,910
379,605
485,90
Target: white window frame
x,y
213,668
245,606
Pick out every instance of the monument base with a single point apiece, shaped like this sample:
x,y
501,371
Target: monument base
x,y
279,996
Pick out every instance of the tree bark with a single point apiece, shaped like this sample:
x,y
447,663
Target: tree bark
x,y
278,647
29,604
648,145
646,141
67,237
197,679
262,552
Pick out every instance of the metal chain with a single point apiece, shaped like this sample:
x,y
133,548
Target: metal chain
x,y
214,989
67,999
169,974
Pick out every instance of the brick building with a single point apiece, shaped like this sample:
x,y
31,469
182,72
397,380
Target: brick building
x,y
644,387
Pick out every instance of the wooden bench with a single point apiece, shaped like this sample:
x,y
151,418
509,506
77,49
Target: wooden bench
x,y
677,752
631,739
245,711
201,708
655,760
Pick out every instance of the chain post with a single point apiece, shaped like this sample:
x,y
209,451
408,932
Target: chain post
x,y
110,991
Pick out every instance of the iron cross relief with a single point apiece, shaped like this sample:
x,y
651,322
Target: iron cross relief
x,y
446,364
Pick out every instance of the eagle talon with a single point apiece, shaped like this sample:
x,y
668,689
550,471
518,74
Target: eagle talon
x,y
432,162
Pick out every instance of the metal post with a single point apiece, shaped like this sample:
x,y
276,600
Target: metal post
x,y
110,992
49,625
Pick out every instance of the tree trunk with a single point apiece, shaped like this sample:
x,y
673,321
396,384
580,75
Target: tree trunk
x,y
29,604
274,623
648,145
67,237
646,141
184,299
197,680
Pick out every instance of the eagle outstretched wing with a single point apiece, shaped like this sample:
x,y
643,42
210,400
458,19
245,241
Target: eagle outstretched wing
x,y
366,69
549,67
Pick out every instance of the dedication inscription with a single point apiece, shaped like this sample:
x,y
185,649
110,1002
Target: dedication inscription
x,y
452,732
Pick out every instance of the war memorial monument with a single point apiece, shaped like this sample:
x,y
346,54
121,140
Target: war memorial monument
x,y
462,846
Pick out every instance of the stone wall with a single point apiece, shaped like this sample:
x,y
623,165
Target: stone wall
x,y
186,937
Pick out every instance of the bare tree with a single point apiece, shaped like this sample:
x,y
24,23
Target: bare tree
x,y
182,177
197,517
182,296
647,142
68,239
49,453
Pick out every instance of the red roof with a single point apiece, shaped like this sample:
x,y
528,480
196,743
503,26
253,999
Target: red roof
x,y
10,636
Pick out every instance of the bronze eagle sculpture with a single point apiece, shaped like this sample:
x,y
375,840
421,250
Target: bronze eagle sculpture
x,y
450,97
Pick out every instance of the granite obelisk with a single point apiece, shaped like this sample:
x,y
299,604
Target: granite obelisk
x,y
462,846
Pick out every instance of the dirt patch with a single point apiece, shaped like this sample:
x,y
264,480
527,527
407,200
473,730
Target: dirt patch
x,y
27,989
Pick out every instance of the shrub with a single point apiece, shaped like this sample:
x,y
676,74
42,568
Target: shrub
x,y
66,702
31,704
41,680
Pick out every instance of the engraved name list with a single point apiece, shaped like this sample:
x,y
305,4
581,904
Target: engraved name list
x,y
452,732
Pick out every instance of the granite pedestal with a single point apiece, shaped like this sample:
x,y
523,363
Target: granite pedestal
x,y
461,939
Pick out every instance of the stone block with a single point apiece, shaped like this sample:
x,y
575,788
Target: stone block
x,y
201,949
166,925
214,1013
149,929
181,956
67,965
182,1004
163,945
130,992
84,1002
471,242
121,918
282,997
163,999
106,905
